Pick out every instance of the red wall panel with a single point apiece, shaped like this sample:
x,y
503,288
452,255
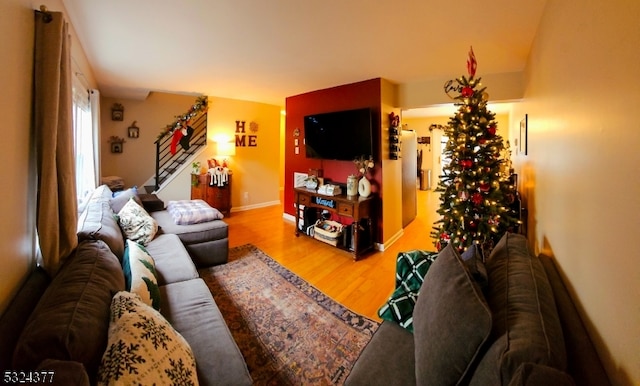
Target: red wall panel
x,y
346,97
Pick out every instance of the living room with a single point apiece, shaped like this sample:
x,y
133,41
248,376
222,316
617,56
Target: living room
x,y
578,180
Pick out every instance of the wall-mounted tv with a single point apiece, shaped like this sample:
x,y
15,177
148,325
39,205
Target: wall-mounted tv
x,y
340,135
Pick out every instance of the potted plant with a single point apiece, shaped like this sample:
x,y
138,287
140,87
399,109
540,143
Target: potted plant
x,y
311,182
195,168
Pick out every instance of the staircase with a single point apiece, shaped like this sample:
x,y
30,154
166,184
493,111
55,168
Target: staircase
x,y
166,163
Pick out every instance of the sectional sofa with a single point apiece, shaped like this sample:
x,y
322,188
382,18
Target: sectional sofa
x,y
509,321
78,326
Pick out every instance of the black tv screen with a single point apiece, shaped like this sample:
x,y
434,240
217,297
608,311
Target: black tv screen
x,y
340,135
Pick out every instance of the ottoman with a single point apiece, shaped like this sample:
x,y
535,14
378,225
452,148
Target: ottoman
x,y
206,242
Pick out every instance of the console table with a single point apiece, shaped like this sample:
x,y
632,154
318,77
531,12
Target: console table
x,y
360,209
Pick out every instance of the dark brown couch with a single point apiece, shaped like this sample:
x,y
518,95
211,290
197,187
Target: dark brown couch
x,y
520,329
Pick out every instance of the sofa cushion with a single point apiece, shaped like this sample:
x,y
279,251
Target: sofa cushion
x,y
143,348
388,359
526,326
583,362
136,223
187,212
475,264
191,310
451,321
61,372
194,233
140,274
533,374
119,199
101,194
72,318
172,261
98,222
14,318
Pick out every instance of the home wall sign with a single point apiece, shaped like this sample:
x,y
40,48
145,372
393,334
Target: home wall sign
x,y
242,138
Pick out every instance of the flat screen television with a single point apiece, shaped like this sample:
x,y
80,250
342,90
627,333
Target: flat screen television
x,y
341,135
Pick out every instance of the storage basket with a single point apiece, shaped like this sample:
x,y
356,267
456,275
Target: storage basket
x,y
327,231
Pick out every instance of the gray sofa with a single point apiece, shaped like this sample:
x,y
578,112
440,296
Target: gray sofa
x,y
62,324
509,321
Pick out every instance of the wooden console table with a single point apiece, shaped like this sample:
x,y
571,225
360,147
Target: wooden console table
x,y
360,209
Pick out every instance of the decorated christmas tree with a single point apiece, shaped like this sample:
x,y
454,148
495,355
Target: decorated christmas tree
x,y
476,189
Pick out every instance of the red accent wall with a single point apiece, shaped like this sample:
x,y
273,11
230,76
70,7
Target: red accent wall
x,y
346,97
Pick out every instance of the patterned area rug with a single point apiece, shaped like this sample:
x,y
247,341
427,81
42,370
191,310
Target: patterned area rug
x,y
288,331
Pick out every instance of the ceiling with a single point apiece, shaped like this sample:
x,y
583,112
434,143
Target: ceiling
x,y
265,51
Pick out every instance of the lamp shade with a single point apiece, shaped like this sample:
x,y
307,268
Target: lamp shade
x,y
225,148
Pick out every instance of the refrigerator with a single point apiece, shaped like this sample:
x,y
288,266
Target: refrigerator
x,y
409,176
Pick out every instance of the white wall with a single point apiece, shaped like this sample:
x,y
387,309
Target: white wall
x,y
580,178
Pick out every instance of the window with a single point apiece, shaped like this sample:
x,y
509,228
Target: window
x,y
85,125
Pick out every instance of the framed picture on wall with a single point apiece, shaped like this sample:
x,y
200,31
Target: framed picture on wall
x,y
116,147
522,142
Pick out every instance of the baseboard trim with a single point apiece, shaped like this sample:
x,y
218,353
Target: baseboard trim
x,y
254,206
393,239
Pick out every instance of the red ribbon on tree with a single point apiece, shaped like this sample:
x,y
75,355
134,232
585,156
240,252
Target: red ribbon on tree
x,y
471,63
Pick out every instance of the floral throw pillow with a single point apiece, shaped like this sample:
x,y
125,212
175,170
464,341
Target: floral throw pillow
x,y
136,223
143,348
140,274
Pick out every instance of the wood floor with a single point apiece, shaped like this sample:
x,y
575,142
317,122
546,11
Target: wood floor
x,y
361,286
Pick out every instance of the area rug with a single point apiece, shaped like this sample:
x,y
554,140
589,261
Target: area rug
x,y
288,331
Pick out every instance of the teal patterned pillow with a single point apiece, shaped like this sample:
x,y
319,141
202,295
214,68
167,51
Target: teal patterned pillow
x,y
136,223
143,348
411,267
140,274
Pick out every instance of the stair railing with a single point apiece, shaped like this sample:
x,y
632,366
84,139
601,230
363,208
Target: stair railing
x,y
167,162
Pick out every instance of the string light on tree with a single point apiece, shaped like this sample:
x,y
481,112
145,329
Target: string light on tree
x,y
475,188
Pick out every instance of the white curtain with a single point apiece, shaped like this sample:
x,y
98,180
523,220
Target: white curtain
x,y
94,99
85,127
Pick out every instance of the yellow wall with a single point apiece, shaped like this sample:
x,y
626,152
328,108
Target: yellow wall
x,y
391,193
16,229
256,169
136,163
581,175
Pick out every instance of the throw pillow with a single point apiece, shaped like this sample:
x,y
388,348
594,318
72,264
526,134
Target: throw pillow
x,y
71,319
474,262
140,274
451,321
143,348
136,223
411,267
119,199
